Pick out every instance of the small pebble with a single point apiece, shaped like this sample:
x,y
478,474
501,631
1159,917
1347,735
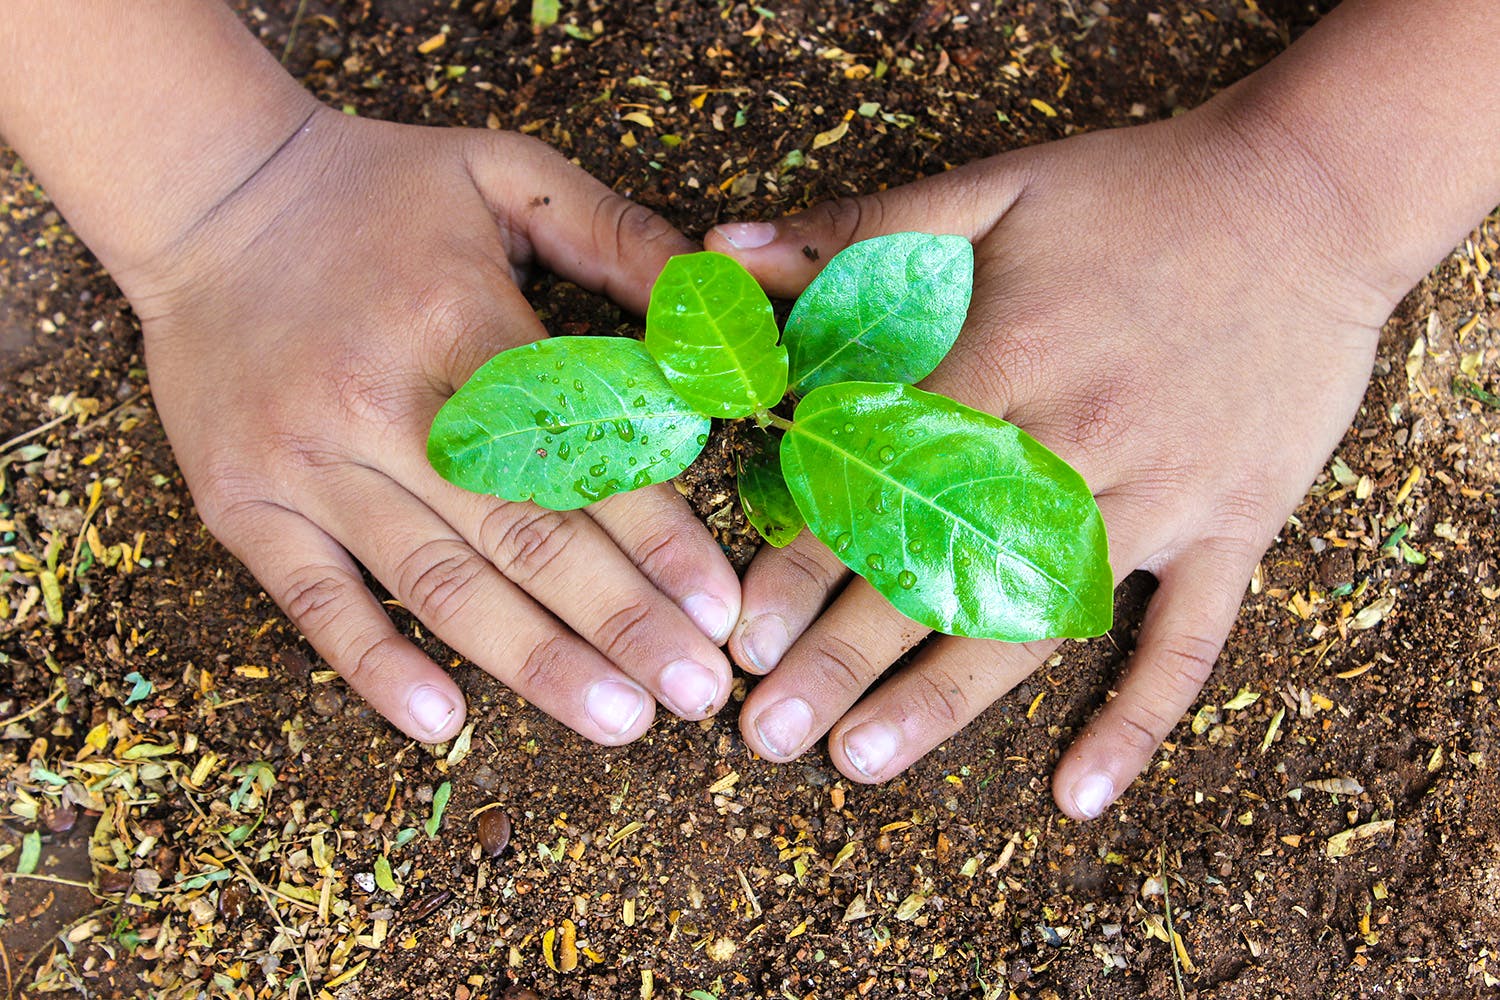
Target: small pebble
x,y
61,819
327,701
493,827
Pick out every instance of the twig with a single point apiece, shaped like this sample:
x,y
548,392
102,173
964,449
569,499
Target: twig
x,y
32,710
1166,901
11,876
291,35
44,428
10,982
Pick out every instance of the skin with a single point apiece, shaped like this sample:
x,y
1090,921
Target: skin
x,y
1187,312
311,288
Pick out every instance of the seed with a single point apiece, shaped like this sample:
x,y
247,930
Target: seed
x,y
493,827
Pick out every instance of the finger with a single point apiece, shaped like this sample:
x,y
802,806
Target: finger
x,y
941,692
785,254
950,682
568,564
783,592
1185,626
657,530
826,672
575,225
314,581
439,577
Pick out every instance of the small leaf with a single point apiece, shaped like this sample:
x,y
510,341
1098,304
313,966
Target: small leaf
x,y
768,504
140,688
31,853
710,327
883,310
1243,700
565,422
544,14
383,876
963,521
439,803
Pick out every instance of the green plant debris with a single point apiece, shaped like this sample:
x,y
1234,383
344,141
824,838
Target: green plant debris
x,y
439,804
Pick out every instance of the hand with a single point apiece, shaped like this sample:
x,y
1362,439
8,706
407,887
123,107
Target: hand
x,y
300,338
1173,315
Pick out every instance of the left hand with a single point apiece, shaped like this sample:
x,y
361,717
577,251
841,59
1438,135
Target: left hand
x,y
1150,305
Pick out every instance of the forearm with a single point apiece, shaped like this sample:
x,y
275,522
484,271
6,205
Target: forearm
x,y
1383,130
139,117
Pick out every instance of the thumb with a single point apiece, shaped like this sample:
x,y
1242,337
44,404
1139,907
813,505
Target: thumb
x,y
575,226
784,255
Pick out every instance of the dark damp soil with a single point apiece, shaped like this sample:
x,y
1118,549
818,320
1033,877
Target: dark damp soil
x,y
250,825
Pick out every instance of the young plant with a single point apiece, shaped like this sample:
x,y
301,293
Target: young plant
x,y
963,521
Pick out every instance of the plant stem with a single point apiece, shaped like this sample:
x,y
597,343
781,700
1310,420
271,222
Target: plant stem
x,y
765,418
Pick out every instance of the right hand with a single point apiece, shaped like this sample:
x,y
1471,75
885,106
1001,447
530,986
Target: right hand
x,y
300,338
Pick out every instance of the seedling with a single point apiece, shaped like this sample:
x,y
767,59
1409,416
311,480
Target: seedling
x,y
963,521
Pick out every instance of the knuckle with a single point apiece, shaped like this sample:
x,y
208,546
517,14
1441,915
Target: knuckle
x,y
656,554
939,698
524,540
845,663
1139,734
630,227
625,631
848,218
808,570
315,597
362,668
545,667
437,579
1189,660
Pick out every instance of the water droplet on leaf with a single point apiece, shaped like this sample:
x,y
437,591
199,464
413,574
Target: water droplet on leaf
x,y
841,542
887,454
907,579
594,433
875,561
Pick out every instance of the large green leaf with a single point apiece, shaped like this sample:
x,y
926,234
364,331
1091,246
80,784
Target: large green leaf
x,y
767,502
963,521
711,329
882,310
565,422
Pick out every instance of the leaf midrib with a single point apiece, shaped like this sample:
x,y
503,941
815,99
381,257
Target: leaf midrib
x,y
739,367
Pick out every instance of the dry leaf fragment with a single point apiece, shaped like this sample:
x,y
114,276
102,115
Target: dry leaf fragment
x,y
1417,356
433,44
831,136
1373,613
1343,844
640,118
857,909
911,906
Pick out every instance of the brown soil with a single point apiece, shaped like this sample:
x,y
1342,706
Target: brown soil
x,y
683,865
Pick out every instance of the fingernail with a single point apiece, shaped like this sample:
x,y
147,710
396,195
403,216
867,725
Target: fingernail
x,y
1092,793
430,709
614,706
765,642
784,727
747,235
689,688
710,614
870,747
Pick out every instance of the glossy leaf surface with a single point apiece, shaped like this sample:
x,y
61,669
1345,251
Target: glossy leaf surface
x,y
564,422
764,496
963,521
882,310
710,327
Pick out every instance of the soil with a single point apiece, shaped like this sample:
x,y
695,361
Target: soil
x,y
1322,825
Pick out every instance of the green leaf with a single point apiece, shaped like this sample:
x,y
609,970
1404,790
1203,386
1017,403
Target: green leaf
x,y
565,422
710,327
383,875
963,521
140,688
31,853
882,310
544,14
439,803
767,503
